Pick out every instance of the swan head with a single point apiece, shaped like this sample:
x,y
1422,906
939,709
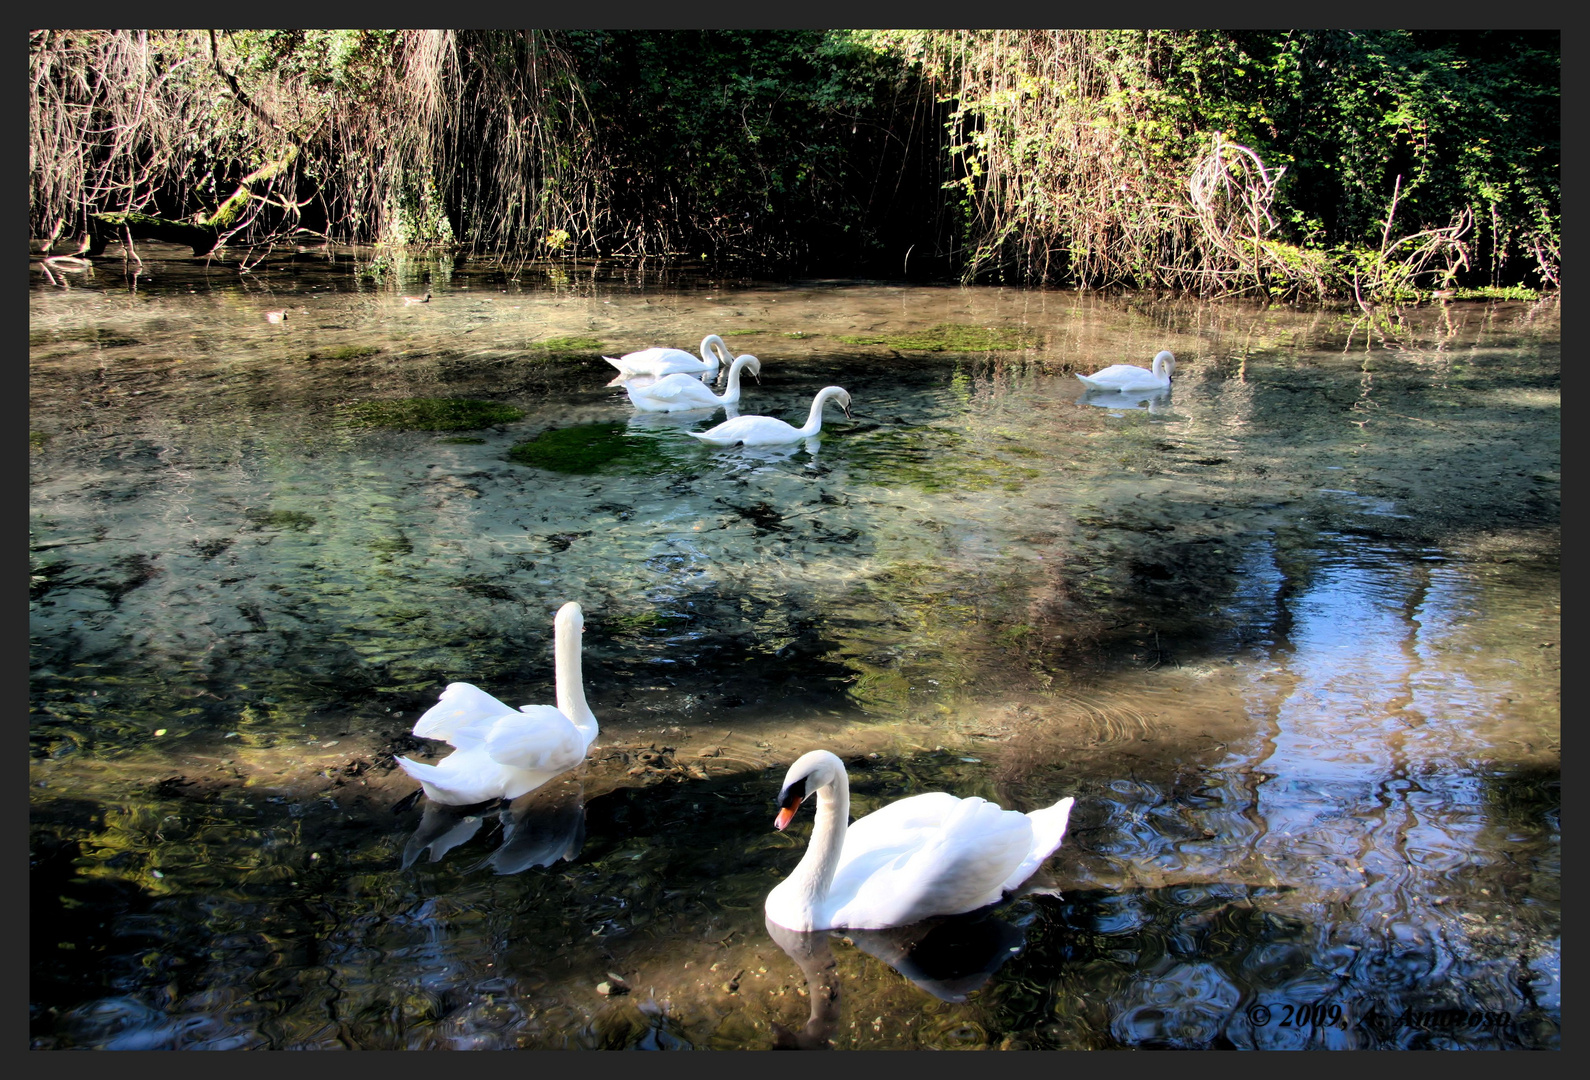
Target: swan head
x,y
841,397
570,619
748,363
811,772
1169,359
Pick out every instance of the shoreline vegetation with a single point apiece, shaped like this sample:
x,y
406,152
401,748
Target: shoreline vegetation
x,y
1378,166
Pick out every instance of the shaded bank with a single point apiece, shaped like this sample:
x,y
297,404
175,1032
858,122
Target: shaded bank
x,y
1373,164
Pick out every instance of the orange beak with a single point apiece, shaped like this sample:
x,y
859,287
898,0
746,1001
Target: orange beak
x,y
786,815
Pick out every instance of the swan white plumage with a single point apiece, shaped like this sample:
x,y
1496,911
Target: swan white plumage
x,y
1131,377
501,754
766,431
679,391
932,854
656,362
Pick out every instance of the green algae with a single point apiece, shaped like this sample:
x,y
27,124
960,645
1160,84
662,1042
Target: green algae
x,y
429,414
953,337
586,449
936,459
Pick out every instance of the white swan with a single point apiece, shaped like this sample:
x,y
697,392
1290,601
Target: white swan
x,y
1130,377
656,362
766,431
501,754
679,391
926,855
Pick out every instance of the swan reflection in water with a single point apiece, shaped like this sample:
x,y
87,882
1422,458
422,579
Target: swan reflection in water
x,y
1155,401
538,828
948,956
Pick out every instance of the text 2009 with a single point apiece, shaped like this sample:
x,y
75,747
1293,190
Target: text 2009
x,y
1315,1014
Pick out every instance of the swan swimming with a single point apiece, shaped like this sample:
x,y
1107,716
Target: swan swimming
x,y
656,362
501,754
932,854
680,391
1131,377
766,431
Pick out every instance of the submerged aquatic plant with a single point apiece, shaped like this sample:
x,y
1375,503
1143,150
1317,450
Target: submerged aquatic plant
x,y
953,337
429,414
592,448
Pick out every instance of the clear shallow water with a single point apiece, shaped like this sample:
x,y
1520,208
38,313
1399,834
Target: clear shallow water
x,y
1289,635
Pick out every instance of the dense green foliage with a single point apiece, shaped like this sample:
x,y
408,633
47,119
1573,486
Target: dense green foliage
x,y
1292,163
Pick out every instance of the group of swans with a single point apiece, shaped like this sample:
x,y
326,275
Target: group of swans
x,y
649,365
679,391
672,380
923,856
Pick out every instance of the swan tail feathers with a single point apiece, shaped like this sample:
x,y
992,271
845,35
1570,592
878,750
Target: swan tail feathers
x,y
1048,830
417,769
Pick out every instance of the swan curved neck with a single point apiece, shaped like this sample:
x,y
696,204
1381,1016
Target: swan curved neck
x,y
570,685
814,424
815,873
714,351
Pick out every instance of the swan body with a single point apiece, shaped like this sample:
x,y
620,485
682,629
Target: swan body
x,y
500,753
1130,377
426,299
656,362
765,430
932,854
679,391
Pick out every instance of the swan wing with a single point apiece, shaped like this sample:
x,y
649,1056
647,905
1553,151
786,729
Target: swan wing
x,y
678,390
658,361
461,715
538,738
750,430
1123,377
933,855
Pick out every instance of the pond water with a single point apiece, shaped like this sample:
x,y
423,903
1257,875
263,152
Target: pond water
x,y
1289,633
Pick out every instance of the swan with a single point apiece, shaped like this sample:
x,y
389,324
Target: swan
x,y
765,430
426,299
657,362
1130,377
932,854
501,754
679,391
